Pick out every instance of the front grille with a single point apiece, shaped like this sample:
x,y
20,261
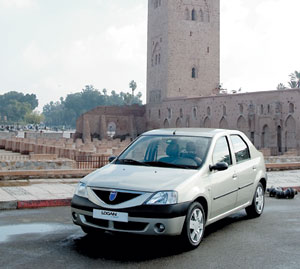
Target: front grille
x,y
121,196
125,226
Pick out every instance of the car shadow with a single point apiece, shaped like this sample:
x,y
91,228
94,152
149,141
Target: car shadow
x,y
130,248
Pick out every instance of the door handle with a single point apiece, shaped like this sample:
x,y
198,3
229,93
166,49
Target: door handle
x,y
234,176
254,168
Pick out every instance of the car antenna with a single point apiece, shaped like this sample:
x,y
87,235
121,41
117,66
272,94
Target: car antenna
x,y
174,133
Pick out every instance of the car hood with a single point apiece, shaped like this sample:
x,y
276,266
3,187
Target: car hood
x,y
138,178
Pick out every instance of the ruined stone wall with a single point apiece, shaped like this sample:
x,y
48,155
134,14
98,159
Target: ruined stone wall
x,y
123,120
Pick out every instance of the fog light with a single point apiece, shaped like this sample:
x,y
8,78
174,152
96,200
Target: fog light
x,y
160,228
75,216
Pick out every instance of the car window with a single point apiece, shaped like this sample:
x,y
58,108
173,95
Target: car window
x,y
222,152
240,148
174,150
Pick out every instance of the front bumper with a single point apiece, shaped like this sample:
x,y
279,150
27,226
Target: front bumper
x,y
144,219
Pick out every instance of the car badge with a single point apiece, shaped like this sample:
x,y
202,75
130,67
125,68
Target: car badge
x,y
113,196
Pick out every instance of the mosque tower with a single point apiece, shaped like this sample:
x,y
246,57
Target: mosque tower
x,y
183,49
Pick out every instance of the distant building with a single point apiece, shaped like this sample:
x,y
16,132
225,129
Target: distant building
x,y
183,78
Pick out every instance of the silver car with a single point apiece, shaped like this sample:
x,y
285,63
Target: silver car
x,y
173,182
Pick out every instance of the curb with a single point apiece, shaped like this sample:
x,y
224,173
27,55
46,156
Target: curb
x,y
43,203
8,205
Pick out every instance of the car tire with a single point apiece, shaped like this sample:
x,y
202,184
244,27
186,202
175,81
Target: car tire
x,y
194,226
258,203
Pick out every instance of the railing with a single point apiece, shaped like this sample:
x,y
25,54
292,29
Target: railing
x,y
90,162
13,158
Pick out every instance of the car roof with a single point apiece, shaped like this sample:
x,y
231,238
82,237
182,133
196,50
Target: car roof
x,y
207,132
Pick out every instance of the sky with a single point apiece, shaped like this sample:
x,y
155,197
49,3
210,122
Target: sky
x,y
54,48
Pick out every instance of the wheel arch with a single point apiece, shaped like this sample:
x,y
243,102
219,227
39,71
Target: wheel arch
x,y
263,181
202,200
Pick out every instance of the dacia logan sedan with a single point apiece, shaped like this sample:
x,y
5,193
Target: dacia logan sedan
x,y
173,182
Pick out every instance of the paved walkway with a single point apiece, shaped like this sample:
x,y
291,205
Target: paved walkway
x,y
58,192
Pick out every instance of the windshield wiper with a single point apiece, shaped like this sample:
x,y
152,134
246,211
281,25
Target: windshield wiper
x,y
130,162
164,164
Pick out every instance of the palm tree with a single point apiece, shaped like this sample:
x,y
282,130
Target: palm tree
x,y
295,80
281,86
133,86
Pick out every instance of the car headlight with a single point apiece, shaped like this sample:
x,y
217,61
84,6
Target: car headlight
x,y
81,190
163,198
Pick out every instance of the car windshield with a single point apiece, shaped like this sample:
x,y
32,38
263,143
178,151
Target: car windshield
x,y
188,152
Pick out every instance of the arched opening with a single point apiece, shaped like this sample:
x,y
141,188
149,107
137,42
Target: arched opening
x,y
223,123
194,72
279,139
195,113
178,123
242,125
265,137
207,123
290,135
194,15
166,123
208,111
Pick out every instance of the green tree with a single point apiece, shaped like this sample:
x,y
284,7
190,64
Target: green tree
x,y
15,106
281,86
294,80
34,117
66,112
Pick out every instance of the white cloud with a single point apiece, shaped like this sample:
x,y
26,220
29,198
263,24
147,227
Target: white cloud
x,y
35,57
259,47
18,4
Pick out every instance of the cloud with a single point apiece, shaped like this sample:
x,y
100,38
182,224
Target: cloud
x,y
258,43
35,57
19,4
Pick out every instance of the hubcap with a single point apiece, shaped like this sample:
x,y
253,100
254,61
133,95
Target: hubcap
x,y
259,199
196,225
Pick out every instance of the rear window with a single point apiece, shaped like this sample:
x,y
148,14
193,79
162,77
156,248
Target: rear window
x,y
241,149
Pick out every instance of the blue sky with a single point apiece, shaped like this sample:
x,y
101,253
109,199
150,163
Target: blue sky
x,y
52,48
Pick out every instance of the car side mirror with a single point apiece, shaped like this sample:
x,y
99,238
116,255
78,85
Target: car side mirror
x,y
111,158
221,166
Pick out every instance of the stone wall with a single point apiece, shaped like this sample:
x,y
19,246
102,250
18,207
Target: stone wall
x,y
6,134
125,121
270,119
64,148
36,165
183,49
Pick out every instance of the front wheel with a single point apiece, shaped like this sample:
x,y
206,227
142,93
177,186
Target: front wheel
x,y
258,202
194,226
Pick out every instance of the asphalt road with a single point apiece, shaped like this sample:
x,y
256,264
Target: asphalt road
x,y
46,238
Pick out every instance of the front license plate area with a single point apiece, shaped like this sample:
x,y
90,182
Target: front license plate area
x,y
110,215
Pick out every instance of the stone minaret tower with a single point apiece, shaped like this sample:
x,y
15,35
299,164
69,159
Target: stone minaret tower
x,y
183,49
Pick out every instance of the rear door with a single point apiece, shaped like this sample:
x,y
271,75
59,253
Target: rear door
x,y
245,169
223,183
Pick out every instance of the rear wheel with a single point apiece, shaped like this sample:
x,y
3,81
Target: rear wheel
x,y
258,202
194,226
